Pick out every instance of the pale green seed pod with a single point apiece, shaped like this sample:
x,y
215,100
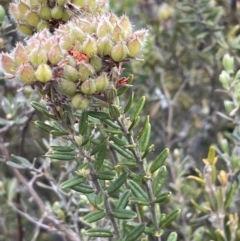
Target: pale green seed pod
x,y
80,3
25,29
8,63
2,13
67,87
96,62
38,56
26,74
70,73
125,23
20,55
42,25
32,19
57,12
119,52
134,47
105,46
43,73
79,101
23,8
55,54
118,33
61,2
88,87
90,46
45,13
102,82
104,27
85,71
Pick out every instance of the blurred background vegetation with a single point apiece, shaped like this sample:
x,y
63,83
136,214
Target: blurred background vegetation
x,y
179,75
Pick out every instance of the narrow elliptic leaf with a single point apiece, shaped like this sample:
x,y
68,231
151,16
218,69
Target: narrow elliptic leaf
x,y
98,115
170,218
106,175
58,133
22,160
129,104
94,216
124,152
98,147
111,124
230,195
124,214
83,123
117,183
99,232
159,160
144,140
122,202
6,106
73,181
15,165
43,126
83,188
136,110
143,129
134,123
137,190
113,131
12,188
118,141
139,201
159,180
100,158
63,156
162,197
62,148
99,200
42,108
136,232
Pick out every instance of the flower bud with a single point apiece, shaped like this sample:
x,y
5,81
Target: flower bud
x,y
118,33
134,47
228,63
70,73
42,25
104,28
61,2
38,56
88,87
43,73
57,12
140,34
45,13
126,24
26,74
80,102
80,3
85,71
55,54
2,13
67,87
25,29
23,8
8,64
119,52
102,82
76,34
105,46
113,18
32,19
96,62
90,46
20,55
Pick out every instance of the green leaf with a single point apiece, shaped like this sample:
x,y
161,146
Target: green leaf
x,y
42,108
111,124
98,147
100,158
71,182
143,129
15,165
136,110
83,123
124,214
94,216
162,197
135,232
169,218
99,232
22,160
6,106
149,149
159,160
230,195
129,104
122,202
172,236
83,188
12,188
117,183
139,201
134,123
62,148
124,152
137,190
20,120
4,122
144,140
118,141
106,175
63,156
114,111
43,126
159,180
98,114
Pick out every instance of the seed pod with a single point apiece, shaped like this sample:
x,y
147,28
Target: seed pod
x,y
104,27
96,62
105,45
90,46
85,71
119,52
80,3
45,13
25,29
8,64
23,8
32,19
70,73
38,56
42,25
57,12
80,102
67,87
20,55
43,73
34,3
113,18
118,33
126,24
55,54
134,47
102,82
26,74
88,87
61,2
66,15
